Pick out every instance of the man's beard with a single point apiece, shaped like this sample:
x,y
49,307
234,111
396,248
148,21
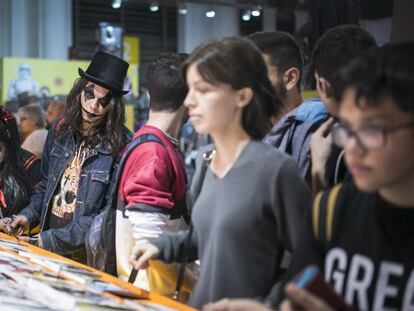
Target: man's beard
x,y
280,89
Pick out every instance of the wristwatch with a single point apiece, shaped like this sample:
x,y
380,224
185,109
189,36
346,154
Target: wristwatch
x,y
33,240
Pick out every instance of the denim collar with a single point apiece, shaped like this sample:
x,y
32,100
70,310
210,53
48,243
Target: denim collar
x,y
69,145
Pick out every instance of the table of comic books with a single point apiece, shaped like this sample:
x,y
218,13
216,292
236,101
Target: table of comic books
x,y
32,278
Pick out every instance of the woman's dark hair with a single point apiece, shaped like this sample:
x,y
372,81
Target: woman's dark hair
x,y
238,63
15,183
110,130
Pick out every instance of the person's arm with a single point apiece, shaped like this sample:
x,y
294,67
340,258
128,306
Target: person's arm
x,y
302,299
173,246
33,167
308,251
321,147
236,305
147,190
3,224
33,211
146,226
168,248
201,165
291,199
295,223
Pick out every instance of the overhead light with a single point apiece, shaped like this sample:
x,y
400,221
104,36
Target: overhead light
x,y
210,13
182,9
256,11
154,7
247,15
116,4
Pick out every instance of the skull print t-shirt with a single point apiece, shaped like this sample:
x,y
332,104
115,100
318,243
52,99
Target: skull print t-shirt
x,y
64,199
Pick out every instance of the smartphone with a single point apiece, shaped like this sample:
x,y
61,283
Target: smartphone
x,y
312,280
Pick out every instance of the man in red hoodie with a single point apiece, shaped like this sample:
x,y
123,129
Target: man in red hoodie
x,y
153,182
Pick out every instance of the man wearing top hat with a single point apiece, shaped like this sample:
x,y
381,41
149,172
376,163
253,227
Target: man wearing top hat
x,y
79,160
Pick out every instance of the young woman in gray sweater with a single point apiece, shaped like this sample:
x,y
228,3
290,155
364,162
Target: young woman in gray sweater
x,y
250,206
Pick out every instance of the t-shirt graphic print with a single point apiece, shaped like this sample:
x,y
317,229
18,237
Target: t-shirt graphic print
x,y
64,199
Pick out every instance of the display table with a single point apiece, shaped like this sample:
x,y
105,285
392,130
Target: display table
x,y
31,276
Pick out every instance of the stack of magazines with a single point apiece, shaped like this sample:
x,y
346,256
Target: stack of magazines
x,y
29,281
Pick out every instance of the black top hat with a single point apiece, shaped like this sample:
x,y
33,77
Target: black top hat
x,y
107,71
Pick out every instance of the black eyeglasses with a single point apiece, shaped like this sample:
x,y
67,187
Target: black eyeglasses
x,y
370,137
90,94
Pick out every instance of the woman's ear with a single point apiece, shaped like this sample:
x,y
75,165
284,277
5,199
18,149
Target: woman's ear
x,y
245,96
291,78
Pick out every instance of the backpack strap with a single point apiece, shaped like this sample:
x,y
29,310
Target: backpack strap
x,y
279,137
289,135
207,157
131,146
111,264
323,212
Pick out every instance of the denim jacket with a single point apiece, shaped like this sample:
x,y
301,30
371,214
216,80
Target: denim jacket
x,y
97,172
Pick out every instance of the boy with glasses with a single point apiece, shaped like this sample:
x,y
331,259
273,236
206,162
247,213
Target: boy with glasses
x,y
364,242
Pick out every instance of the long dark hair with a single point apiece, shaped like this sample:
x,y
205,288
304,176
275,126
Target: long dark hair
x,y
15,183
110,130
238,63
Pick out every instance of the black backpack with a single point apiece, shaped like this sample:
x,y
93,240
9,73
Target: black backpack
x,y
100,240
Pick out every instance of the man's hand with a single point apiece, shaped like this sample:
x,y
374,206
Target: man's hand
x,y
236,305
301,299
141,254
19,225
321,147
35,240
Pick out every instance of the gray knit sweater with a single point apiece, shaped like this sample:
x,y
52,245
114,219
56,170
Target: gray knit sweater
x,y
242,224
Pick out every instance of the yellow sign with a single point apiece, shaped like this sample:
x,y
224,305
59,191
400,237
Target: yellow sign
x,y
310,94
131,50
129,117
45,77
132,56
41,77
